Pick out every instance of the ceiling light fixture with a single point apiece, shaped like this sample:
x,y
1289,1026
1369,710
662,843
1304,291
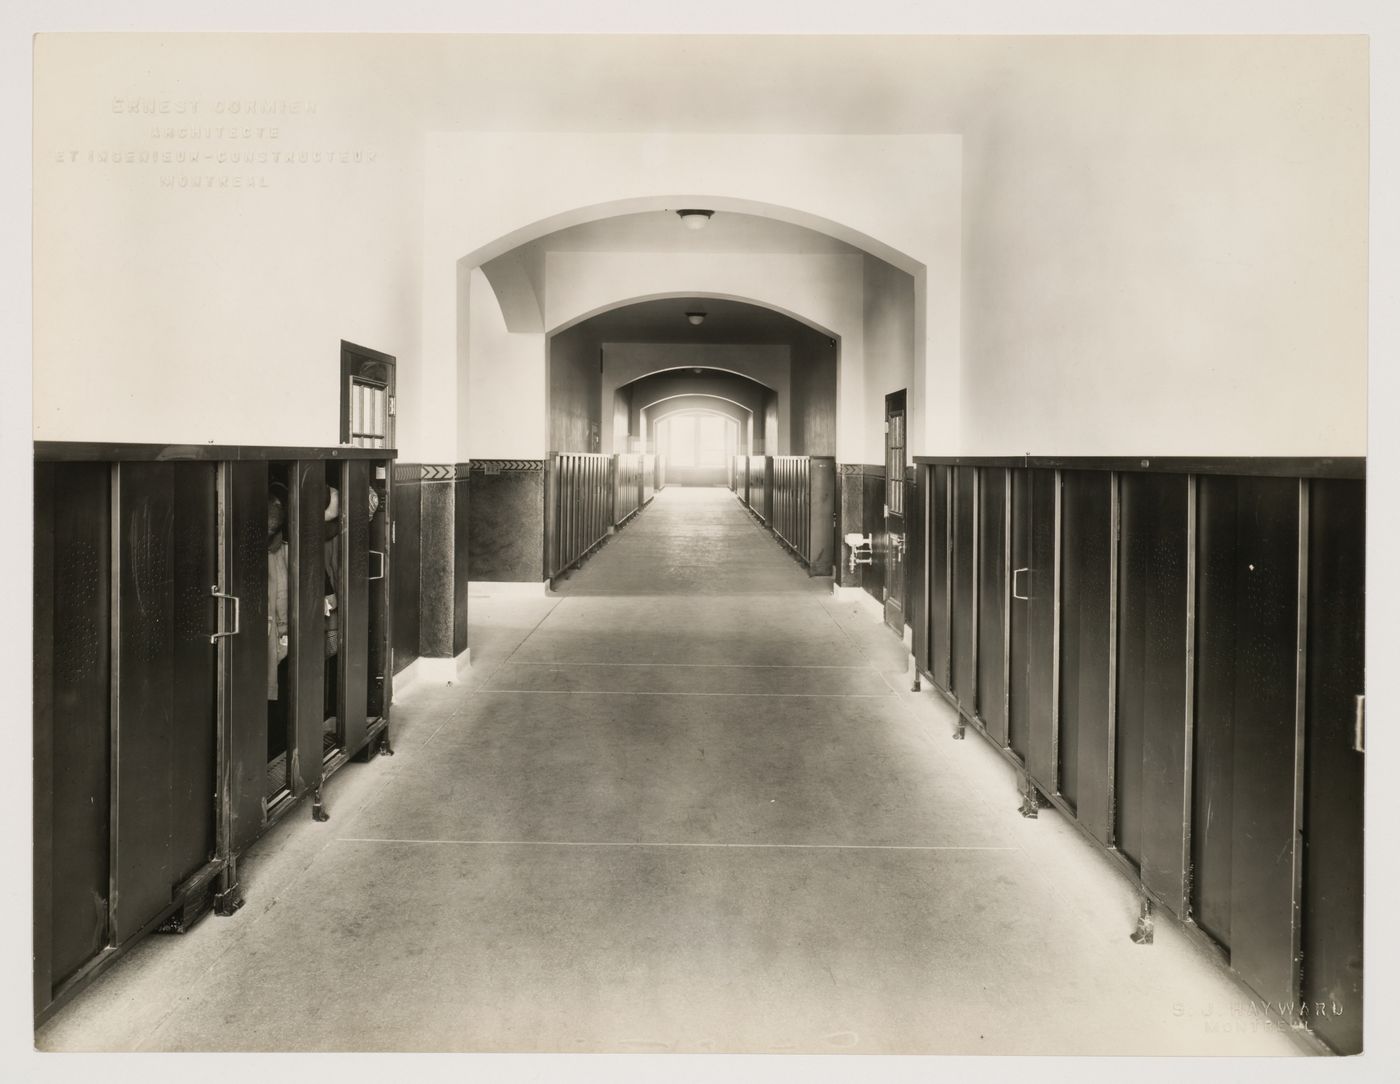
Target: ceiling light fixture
x,y
696,318
694,218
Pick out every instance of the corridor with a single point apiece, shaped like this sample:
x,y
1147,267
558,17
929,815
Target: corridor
x,y
686,803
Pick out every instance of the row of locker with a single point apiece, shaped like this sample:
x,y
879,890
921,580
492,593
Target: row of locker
x,y
795,497
211,644
588,495
1175,660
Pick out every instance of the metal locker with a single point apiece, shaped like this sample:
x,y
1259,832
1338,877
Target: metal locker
x,y
1086,649
1151,713
964,592
1334,797
992,599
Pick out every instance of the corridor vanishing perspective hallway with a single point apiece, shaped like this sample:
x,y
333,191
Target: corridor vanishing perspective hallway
x,y
686,803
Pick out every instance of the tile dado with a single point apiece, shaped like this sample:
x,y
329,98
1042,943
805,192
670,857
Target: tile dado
x,y
406,566
862,507
443,570
451,472
503,466
505,535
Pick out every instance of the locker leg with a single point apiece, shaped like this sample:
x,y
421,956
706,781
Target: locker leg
x,y
228,898
1030,800
916,686
318,806
1143,934
385,749
960,731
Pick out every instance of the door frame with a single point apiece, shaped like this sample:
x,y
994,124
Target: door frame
x,y
355,362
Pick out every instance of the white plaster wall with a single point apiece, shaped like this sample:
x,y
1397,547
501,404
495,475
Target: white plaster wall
x,y
1163,242
215,314
505,387
1167,251
889,347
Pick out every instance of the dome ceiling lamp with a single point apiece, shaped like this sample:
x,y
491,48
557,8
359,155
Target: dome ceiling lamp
x,y
696,318
694,218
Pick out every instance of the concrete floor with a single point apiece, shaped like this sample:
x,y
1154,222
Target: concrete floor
x,y
688,804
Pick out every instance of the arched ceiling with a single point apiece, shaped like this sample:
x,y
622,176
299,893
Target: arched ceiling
x,y
662,231
520,275
663,320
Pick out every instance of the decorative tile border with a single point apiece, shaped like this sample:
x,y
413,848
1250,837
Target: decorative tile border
x,y
504,466
438,472
870,470
407,473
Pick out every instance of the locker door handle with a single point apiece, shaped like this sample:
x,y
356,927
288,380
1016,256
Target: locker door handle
x,y
376,553
216,593
1358,737
1014,581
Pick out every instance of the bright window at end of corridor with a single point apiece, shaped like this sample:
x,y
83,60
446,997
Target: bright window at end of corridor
x,y
698,440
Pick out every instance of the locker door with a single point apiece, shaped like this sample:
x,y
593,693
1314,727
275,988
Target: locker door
x,y
1244,836
243,662
355,604
1086,651
1150,804
1018,687
377,694
1335,790
991,605
895,512
164,685
940,572
306,668
72,722
1041,583
964,594
918,562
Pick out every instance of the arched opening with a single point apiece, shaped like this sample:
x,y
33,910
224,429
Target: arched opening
x,y
581,218
625,309
696,446
544,282
604,369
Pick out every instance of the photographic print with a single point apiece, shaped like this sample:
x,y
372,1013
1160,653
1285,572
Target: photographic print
x,y
667,543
